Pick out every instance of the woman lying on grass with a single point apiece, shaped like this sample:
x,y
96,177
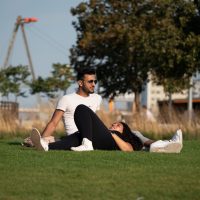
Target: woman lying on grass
x,y
92,134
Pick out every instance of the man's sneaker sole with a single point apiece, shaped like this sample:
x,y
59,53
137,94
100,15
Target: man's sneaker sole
x,y
35,138
170,148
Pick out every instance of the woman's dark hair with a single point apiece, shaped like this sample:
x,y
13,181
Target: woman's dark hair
x,y
131,137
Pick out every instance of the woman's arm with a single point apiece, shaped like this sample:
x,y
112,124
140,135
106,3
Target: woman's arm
x,y
124,146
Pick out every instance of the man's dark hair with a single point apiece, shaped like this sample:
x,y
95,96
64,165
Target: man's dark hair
x,y
81,72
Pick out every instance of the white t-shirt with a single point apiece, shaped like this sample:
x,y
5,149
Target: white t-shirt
x,y
68,104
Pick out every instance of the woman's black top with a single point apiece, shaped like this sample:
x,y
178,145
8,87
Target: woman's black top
x,y
131,138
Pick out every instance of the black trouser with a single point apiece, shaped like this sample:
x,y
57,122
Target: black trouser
x,y
90,127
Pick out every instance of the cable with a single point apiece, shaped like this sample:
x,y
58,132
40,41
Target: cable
x,y
51,41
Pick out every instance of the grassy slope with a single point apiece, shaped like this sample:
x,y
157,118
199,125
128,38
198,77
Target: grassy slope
x,y
29,174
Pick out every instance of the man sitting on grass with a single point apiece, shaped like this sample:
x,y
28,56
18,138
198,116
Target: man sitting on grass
x,y
86,79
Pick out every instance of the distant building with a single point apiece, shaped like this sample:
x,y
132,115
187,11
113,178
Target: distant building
x,y
153,94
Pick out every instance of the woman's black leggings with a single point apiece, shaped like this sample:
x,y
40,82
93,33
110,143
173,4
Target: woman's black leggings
x,y
89,126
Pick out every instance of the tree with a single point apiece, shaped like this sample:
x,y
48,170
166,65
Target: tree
x,y
111,38
60,80
12,79
127,40
174,52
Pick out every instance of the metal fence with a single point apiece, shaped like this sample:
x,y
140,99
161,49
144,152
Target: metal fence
x,y
9,109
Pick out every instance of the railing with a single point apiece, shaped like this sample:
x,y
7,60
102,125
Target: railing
x,y
9,109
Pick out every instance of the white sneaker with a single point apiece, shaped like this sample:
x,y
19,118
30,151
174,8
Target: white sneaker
x,y
85,146
178,136
49,139
172,146
39,143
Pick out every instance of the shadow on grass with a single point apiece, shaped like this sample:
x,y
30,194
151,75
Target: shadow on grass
x,y
17,143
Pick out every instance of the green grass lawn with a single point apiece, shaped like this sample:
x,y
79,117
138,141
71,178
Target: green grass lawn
x,y
29,174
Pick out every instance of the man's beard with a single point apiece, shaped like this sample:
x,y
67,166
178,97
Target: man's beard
x,y
87,91
91,92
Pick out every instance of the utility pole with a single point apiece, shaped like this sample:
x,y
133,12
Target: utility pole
x,y
27,51
190,99
12,41
20,22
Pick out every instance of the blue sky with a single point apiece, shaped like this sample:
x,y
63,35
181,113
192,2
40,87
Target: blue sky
x,y
49,39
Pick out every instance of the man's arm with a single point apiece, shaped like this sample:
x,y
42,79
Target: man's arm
x,y
124,146
52,124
